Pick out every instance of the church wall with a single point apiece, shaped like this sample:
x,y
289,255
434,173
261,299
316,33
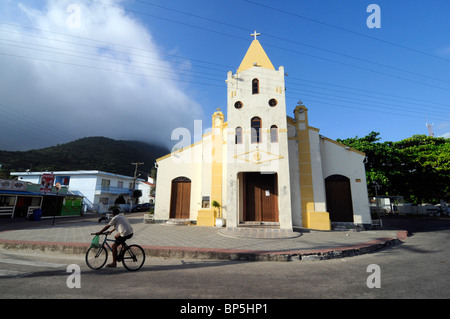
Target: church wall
x,y
347,162
317,173
186,163
206,167
226,139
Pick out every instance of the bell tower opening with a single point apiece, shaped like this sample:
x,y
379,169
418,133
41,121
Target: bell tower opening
x,y
255,86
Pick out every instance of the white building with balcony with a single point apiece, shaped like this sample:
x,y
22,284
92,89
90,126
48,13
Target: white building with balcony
x,y
99,189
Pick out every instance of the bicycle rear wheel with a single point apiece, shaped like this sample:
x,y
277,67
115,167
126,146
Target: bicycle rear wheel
x,y
133,257
96,257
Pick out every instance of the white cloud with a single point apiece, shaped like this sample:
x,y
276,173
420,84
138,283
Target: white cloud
x,y
77,80
445,135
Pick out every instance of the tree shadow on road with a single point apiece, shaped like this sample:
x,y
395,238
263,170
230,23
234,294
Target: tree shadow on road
x,y
416,224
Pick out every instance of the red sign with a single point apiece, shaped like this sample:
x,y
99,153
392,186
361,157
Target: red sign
x,y
47,183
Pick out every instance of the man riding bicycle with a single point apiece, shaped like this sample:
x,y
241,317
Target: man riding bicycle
x,y
124,232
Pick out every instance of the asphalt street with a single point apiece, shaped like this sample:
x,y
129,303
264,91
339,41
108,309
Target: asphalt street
x,y
417,268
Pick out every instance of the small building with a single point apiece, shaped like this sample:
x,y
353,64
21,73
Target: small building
x,y
146,189
21,199
99,189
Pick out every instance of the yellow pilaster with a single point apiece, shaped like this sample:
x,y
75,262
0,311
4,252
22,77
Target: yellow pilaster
x,y
217,157
310,218
206,217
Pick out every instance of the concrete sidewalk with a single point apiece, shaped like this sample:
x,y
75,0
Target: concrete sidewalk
x,y
73,235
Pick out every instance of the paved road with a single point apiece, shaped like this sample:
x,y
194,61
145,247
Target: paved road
x,y
418,268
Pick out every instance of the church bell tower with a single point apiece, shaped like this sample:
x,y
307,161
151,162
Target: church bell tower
x,y
258,184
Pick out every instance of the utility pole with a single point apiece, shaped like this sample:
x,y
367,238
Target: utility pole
x,y
377,186
430,129
134,182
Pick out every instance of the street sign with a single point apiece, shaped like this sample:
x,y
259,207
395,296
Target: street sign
x,y
47,183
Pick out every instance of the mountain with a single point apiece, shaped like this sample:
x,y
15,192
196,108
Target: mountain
x,y
89,153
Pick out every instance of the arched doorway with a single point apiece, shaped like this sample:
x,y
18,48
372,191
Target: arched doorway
x,y
180,199
339,198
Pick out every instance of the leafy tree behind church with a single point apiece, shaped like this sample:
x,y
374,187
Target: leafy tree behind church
x,y
417,168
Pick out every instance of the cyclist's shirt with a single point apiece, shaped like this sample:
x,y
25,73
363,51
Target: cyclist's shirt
x,y
122,225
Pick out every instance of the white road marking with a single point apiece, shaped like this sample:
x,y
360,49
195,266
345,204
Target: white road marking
x,y
31,263
13,273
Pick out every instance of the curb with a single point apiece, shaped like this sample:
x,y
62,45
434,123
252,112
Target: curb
x,y
222,254
255,255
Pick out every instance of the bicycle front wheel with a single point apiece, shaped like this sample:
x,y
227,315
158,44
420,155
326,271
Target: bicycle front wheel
x,y
133,257
96,257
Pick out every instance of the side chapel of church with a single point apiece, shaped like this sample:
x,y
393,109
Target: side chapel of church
x,y
262,165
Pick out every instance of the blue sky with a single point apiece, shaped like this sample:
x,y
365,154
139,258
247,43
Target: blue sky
x,y
140,69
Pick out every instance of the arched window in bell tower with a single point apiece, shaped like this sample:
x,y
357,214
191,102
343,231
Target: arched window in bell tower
x,y
256,129
255,86
238,135
274,134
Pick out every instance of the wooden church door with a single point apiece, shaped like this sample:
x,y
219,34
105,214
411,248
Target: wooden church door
x,y
261,197
339,198
180,201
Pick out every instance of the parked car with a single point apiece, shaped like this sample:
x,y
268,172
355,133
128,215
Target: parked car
x,y
141,207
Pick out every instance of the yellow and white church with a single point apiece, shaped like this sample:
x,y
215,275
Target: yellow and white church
x,y
262,166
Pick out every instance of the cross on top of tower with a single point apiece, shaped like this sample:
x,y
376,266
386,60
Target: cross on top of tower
x,y
255,34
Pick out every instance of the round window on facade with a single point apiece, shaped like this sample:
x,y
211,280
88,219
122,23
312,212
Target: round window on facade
x,y
273,102
238,104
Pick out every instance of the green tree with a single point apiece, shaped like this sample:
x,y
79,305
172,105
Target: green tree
x,y
424,168
137,193
120,200
417,168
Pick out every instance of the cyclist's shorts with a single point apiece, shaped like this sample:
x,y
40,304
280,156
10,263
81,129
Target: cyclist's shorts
x,y
121,240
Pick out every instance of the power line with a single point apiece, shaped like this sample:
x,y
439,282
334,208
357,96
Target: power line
x,y
284,49
104,58
377,103
99,41
408,103
347,30
106,69
302,85
308,92
141,48
374,92
289,40
110,60
370,109
38,125
242,28
138,62
140,74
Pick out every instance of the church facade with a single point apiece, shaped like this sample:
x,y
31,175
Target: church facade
x,y
262,166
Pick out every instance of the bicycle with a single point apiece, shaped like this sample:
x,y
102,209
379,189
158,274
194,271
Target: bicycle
x,y
132,256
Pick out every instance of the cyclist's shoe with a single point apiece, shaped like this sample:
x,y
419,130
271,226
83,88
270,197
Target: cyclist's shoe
x,y
111,265
119,258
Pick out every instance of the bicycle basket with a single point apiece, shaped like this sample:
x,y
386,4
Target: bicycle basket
x,y
95,241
